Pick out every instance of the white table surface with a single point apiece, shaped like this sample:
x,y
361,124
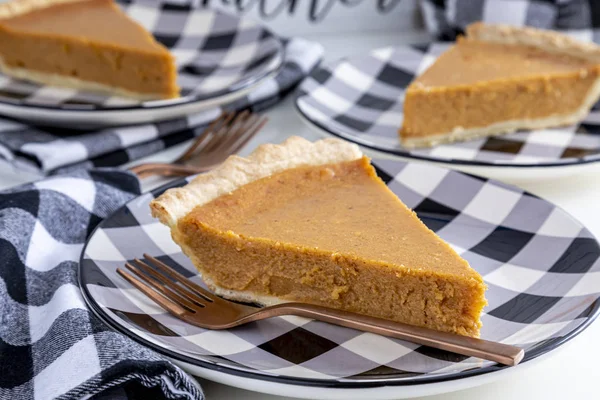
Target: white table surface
x,y
570,372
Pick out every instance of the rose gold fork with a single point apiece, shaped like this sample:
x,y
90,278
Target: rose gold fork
x,y
197,306
223,137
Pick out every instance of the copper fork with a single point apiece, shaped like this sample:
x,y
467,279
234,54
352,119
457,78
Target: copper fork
x,y
223,137
197,306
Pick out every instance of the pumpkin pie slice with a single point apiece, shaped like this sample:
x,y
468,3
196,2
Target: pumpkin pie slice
x,y
84,44
499,79
312,222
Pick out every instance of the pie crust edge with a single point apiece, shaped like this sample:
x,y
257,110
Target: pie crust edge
x,y
552,42
235,172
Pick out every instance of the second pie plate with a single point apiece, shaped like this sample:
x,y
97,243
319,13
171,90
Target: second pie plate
x,y
360,99
542,268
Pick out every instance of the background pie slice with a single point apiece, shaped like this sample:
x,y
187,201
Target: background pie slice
x,y
84,44
499,79
312,222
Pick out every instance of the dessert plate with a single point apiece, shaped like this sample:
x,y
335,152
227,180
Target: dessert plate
x,y
361,99
541,265
220,57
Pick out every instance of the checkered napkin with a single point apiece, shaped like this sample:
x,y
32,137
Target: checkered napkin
x,y
447,18
52,150
51,346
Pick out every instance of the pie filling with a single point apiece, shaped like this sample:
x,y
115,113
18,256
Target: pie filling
x,y
474,61
333,235
478,107
139,73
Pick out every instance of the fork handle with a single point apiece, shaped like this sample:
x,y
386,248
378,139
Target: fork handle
x,y
160,169
468,346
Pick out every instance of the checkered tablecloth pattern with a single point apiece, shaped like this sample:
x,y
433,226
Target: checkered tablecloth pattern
x,y
541,265
361,99
51,345
216,53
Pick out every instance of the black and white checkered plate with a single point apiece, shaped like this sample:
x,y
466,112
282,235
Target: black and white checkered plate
x,y
541,265
361,99
218,55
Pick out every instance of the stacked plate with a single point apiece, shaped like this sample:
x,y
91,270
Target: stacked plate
x,y
219,57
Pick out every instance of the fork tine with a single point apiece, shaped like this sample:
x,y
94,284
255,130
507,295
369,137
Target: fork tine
x,y
155,296
208,296
224,132
242,118
236,140
191,298
223,119
214,140
169,293
235,132
249,134
210,134
232,146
